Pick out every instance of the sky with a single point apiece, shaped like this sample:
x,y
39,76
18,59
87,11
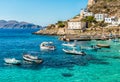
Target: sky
x,y
41,12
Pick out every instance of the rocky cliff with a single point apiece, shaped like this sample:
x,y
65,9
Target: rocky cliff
x,y
16,24
111,7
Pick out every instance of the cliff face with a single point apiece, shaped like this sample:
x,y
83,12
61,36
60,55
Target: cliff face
x,y
16,24
111,7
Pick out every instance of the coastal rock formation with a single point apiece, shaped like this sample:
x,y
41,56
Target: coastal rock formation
x,y
16,24
55,31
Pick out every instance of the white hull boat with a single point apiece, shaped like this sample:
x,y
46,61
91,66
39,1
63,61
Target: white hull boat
x,y
32,58
86,48
116,40
103,45
12,61
90,48
70,45
47,46
74,52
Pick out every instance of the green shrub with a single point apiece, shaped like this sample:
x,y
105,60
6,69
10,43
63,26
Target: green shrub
x,y
61,24
89,19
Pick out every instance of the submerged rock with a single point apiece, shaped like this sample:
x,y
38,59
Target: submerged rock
x,y
67,74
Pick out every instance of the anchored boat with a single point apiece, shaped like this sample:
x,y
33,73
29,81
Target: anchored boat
x,y
74,52
31,58
47,46
116,40
12,61
92,47
103,45
70,44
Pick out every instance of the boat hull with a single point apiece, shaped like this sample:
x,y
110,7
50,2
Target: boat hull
x,y
11,61
33,60
103,46
47,48
74,53
70,45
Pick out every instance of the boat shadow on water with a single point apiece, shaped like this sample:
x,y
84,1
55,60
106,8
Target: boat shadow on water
x,y
112,57
70,62
31,65
67,74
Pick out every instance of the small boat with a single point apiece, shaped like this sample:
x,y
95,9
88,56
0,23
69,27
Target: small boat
x,y
12,61
103,45
95,47
74,52
47,46
115,40
85,48
92,47
70,44
31,58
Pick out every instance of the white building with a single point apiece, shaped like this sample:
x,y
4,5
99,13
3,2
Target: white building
x,y
89,14
100,17
114,21
84,13
76,24
108,20
119,21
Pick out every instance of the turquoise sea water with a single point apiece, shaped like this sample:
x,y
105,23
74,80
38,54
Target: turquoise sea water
x,y
96,66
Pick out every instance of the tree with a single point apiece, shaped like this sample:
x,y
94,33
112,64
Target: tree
x,y
61,24
89,19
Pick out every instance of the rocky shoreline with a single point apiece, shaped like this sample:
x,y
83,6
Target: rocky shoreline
x,y
87,35
55,31
89,31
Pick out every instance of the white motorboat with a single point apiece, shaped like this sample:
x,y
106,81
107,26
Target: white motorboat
x,y
92,47
116,40
70,44
47,46
86,48
12,61
103,45
74,52
31,58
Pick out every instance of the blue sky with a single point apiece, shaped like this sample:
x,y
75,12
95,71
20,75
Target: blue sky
x,y
41,12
